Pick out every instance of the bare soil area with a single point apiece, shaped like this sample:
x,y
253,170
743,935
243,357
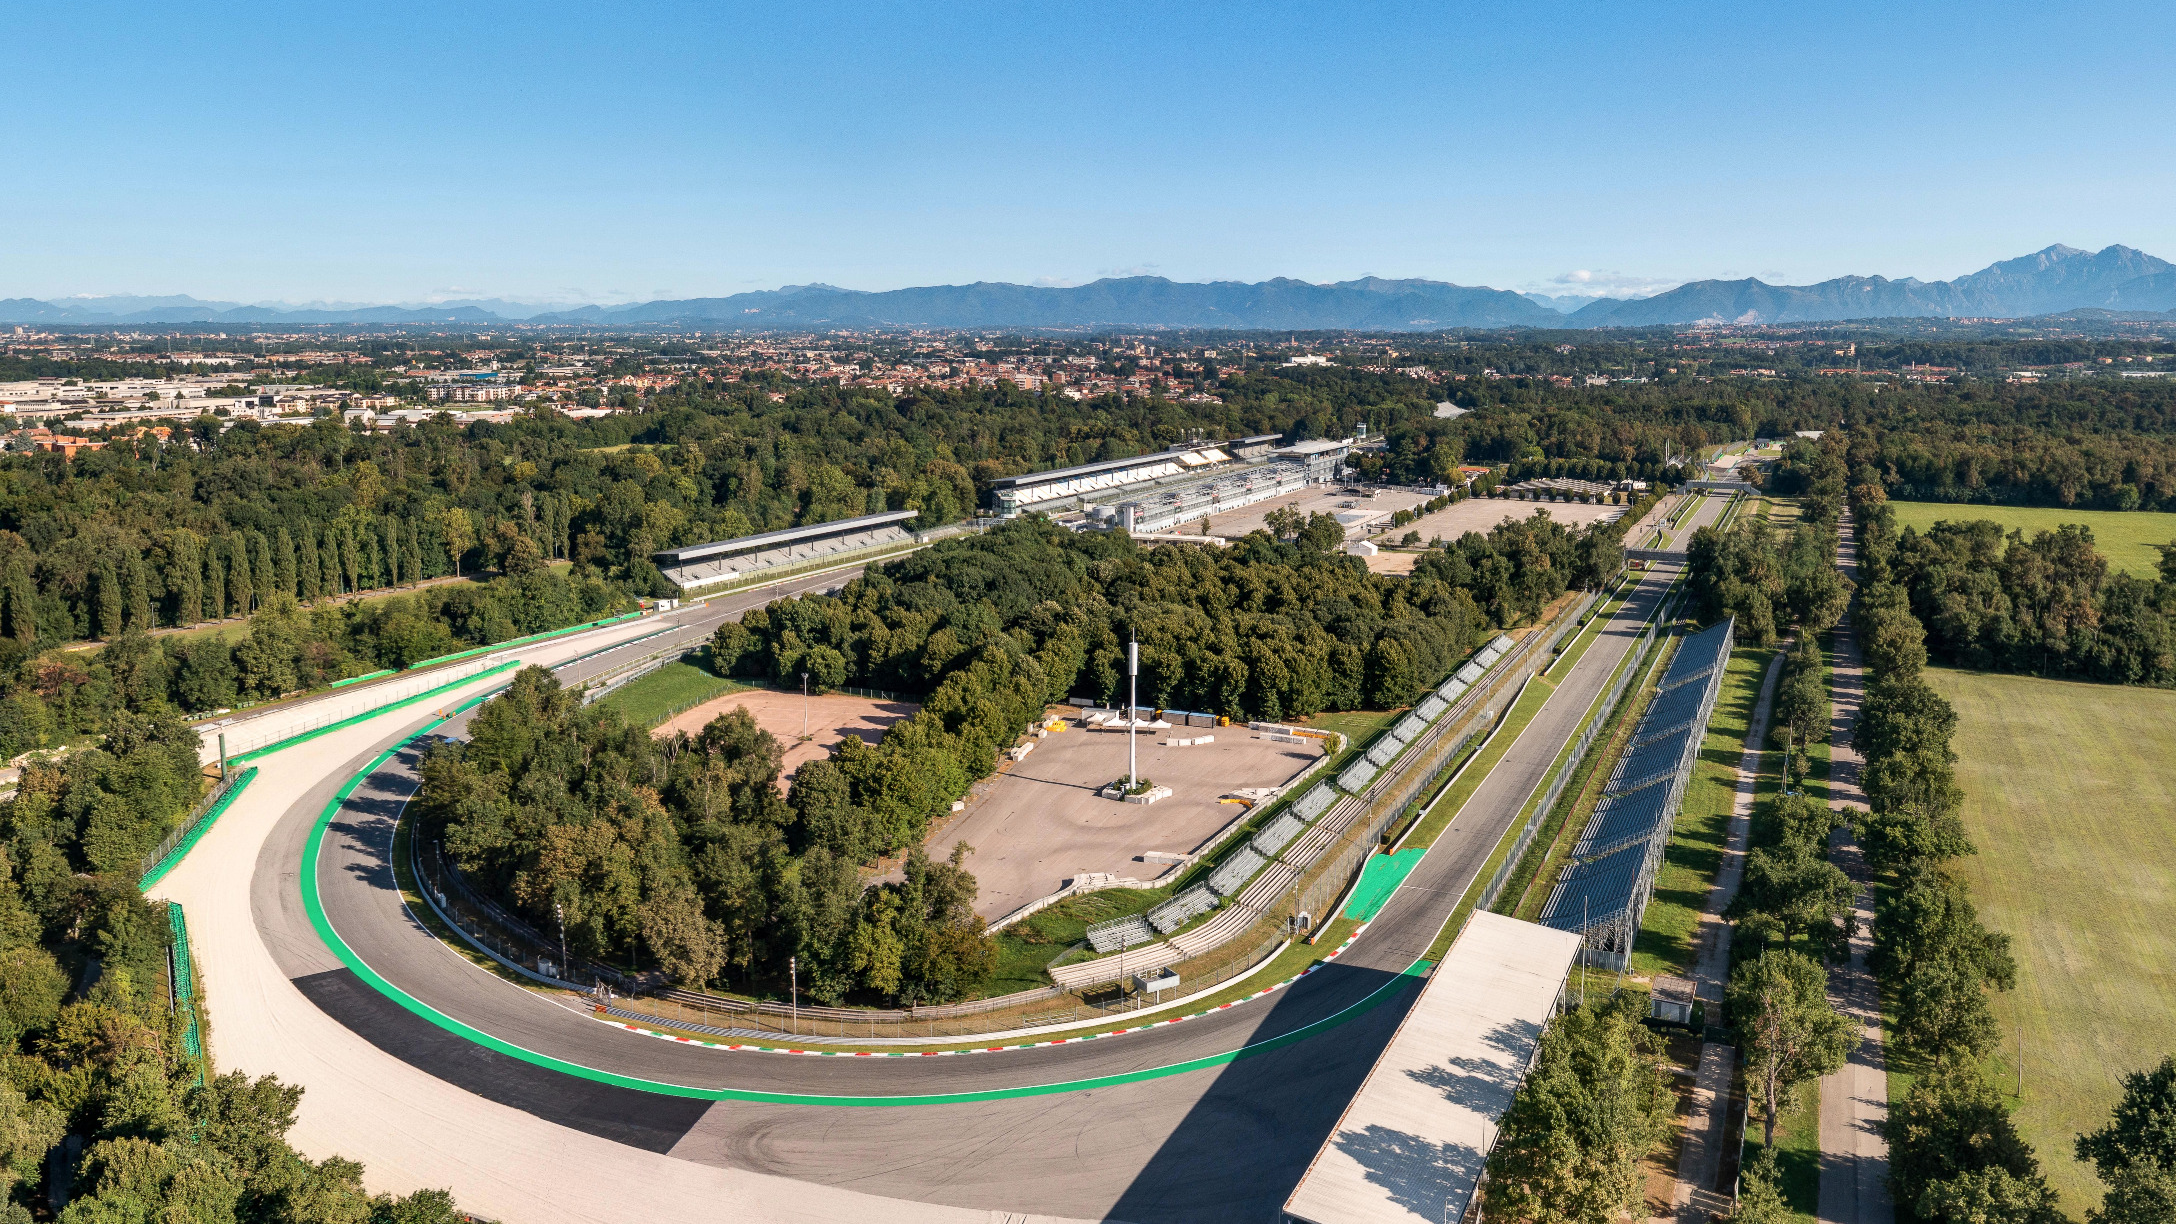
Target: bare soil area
x,y
829,719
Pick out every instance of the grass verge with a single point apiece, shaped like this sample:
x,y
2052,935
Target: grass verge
x,y
674,687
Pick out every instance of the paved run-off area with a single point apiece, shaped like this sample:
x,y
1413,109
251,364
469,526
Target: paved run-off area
x,y
2070,795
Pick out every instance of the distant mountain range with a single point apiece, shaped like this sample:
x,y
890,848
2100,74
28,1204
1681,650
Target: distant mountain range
x,y
2051,281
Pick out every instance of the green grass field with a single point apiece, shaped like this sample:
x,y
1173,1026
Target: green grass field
x,y
2126,538
2070,793
675,686
1033,942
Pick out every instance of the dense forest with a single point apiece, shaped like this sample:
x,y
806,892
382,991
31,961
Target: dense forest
x,y
103,1106
681,853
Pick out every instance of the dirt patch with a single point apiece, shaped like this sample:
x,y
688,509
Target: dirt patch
x,y
828,719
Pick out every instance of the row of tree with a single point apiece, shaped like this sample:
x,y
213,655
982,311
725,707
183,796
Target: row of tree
x,y
60,696
681,853
99,1096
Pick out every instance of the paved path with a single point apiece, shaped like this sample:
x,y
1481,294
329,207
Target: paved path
x,y
1700,1160
1854,1100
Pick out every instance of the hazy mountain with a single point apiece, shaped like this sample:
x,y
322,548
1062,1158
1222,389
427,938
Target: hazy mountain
x,y
1370,303
2056,279
1566,303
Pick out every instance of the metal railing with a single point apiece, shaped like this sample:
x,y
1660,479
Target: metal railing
x,y
1599,718
227,786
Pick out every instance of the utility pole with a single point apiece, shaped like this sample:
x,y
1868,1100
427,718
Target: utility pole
x,y
793,977
562,916
804,705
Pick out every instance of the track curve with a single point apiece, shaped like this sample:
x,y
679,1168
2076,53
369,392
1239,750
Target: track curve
x,y
1210,1119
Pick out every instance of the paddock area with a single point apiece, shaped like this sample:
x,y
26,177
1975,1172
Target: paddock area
x,y
1041,822
829,719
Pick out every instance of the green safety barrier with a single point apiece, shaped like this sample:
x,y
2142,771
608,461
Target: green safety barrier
x,y
359,679
351,720
197,831
522,641
192,1034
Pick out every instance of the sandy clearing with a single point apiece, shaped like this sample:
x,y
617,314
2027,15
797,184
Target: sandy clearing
x,y
829,718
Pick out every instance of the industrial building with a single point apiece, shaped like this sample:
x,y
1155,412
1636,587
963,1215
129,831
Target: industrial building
x,y
700,565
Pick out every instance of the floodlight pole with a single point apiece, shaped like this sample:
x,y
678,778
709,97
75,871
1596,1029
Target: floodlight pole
x,y
804,705
1133,708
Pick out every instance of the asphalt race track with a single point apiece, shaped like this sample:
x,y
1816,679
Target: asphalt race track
x,y
730,1134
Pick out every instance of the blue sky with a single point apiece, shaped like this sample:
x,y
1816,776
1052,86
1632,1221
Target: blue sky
x,y
605,152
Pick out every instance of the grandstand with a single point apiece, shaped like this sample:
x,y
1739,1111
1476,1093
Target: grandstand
x,y
701,565
1179,504
1074,487
1603,894
1127,932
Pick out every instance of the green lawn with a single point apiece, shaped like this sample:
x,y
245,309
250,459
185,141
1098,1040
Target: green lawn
x,y
2125,537
1669,933
2070,794
673,687
1033,942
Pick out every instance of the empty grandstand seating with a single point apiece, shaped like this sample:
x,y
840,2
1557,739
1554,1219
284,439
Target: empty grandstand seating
x,y
1431,706
1227,879
1604,892
1182,909
1357,775
1312,804
1380,752
1276,834
1125,932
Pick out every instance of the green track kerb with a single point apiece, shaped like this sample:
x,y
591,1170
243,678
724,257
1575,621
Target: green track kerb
x,y
367,715
313,903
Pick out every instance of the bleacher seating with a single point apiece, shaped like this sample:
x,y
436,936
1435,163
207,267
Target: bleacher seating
x,y
1314,802
1229,878
1182,909
1129,931
1605,890
1357,775
700,565
1275,835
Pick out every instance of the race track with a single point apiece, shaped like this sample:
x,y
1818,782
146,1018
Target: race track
x,y
724,1134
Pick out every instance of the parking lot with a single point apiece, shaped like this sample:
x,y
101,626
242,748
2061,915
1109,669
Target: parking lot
x,y
1041,823
1359,519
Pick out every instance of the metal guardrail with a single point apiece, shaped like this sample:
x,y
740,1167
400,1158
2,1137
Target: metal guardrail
x,y
227,786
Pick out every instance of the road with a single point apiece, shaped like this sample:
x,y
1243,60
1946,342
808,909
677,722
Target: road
x,y
1150,1140
1855,1098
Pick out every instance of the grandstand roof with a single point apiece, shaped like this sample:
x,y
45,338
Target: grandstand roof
x,y
1411,1145
772,539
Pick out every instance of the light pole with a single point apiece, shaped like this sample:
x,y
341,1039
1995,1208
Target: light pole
x,y
793,978
1133,708
804,705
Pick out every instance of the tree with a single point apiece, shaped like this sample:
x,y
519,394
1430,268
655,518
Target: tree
x,y
1955,1157
1591,1108
1760,1193
1779,1003
2137,1194
1323,533
284,575
22,601
2142,1129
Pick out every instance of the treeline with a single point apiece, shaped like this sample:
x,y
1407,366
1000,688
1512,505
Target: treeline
x,y
1954,1155
1767,580
1595,1102
59,696
97,1087
2049,605
681,853
987,630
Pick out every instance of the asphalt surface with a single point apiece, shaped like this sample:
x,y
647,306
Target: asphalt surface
x,y
1226,1142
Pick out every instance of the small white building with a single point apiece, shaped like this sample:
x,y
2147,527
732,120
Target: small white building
x,y
1361,548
